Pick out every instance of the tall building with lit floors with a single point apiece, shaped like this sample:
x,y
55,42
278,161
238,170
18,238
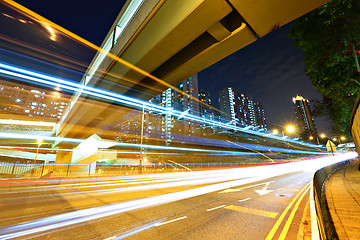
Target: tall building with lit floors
x,y
168,127
240,109
305,120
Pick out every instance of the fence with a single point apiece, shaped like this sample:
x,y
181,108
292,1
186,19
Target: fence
x,y
69,170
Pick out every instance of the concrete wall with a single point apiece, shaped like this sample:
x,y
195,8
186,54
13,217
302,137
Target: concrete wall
x,y
355,124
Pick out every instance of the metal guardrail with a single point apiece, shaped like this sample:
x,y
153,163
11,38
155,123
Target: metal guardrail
x,y
322,226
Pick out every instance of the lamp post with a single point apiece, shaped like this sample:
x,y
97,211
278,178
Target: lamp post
x,y
323,136
317,139
288,129
39,141
141,139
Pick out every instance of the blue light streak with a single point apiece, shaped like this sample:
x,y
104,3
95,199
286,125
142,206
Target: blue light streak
x,y
126,101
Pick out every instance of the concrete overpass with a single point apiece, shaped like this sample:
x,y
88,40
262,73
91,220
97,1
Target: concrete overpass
x,y
155,44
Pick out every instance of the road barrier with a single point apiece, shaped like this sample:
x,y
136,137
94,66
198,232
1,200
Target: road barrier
x,y
322,226
103,169
355,124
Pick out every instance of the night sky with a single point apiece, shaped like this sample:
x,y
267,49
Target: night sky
x,y
270,69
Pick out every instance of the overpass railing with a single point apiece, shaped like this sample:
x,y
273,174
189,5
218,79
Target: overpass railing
x,y
322,226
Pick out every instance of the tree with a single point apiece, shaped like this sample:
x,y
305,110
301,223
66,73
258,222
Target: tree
x,y
330,38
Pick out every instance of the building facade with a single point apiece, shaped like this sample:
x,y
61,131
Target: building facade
x,y
241,110
306,122
166,127
17,98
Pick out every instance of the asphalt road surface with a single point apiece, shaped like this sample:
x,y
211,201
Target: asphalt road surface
x,y
264,202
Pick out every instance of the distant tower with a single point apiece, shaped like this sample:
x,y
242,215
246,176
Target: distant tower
x,y
306,121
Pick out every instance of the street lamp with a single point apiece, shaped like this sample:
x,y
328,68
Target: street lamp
x,y
288,129
322,135
141,139
275,131
317,139
39,141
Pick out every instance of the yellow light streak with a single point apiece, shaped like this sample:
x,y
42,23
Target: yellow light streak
x,y
26,123
99,49
52,32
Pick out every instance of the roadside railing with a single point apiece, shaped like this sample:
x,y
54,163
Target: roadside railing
x,y
74,170
322,226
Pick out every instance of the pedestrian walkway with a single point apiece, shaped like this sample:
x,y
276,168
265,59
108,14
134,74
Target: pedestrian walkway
x,y
343,196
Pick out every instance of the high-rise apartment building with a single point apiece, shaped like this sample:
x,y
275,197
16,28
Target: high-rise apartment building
x,y
239,109
305,120
18,98
166,126
205,102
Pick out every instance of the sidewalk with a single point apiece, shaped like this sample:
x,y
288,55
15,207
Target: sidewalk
x,y
343,196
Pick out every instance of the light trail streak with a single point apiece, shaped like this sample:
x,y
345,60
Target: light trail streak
x,y
125,100
100,50
136,230
68,219
27,123
74,140
145,184
80,216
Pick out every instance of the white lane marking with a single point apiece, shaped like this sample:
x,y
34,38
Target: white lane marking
x,y
176,219
241,189
211,209
243,200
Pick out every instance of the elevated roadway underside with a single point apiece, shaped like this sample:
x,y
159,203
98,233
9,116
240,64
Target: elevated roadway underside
x,y
166,42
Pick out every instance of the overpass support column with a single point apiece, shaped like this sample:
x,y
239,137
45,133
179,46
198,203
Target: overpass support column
x,y
63,161
63,157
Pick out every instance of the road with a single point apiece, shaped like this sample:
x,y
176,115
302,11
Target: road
x,y
264,202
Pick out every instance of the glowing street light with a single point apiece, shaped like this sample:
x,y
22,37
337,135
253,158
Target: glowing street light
x,y
322,135
342,138
290,129
275,131
39,142
334,139
311,137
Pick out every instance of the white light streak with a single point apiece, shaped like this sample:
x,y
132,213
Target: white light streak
x,y
27,123
75,217
125,100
